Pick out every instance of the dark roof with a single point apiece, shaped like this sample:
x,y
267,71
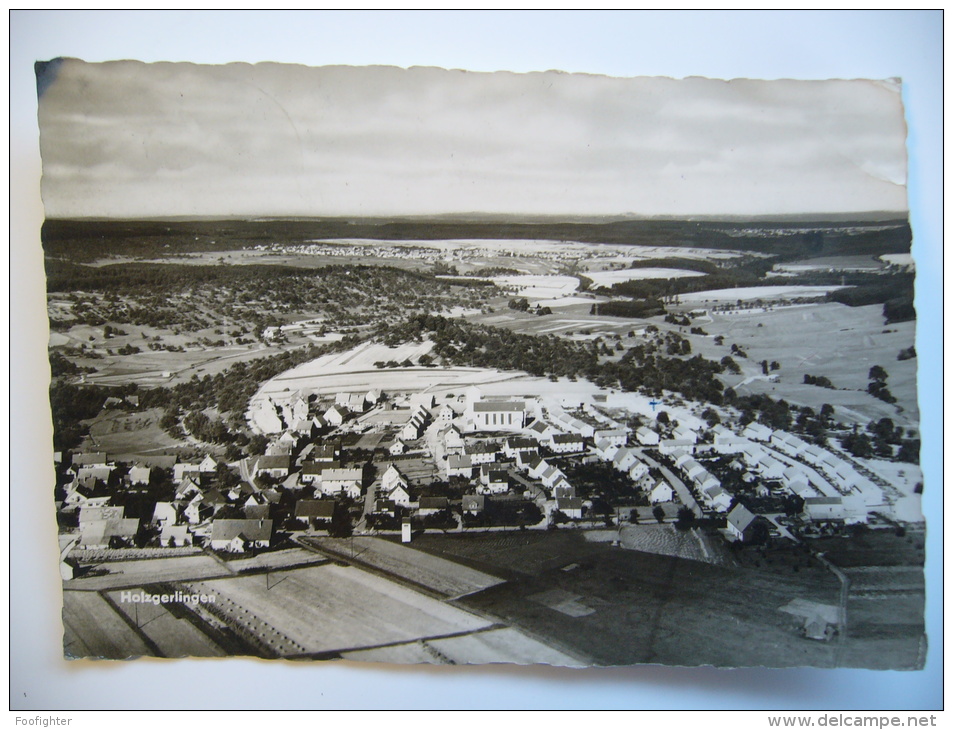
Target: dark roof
x,y
96,457
249,529
321,508
740,517
566,438
159,462
569,503
274,461
433,503
491,406
257,511
310,467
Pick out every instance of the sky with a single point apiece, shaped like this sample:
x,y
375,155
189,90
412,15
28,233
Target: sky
x,y
126,139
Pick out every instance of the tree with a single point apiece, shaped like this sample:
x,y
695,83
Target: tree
x,y
685,519
877,373
658,513
341,525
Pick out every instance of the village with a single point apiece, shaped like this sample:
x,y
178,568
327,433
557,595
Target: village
x,y
373,463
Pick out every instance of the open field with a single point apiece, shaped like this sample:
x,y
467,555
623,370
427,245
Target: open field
x,y
650,608
168,627
833,263
330,609
661,540
122,574
608,278
480,647
748,293
833,340
123,435
92,628
433,573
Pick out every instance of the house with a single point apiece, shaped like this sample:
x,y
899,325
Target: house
x,y
257,511
550,476
385,507
571,507
101,534
98,514
726,441
639,471
397,448
692,468
615,436
432,505
399,494
813,455
771,468
473,504
788,443
347,481
482,452
671,446
605,450
717,498
499,415
646,436
624,459
538,467
707,480
181,472
325,453
335,415
661,492
562,489
187,490
392,478
819,509
372,397
684,433
515,444
353,402
525,458
277,466
757,432
241,491
493,480
414,428
739,520
453,439
173,535
240,535
445,415
315,512
96,458
140,474
566,443
165,514
459,465
208,465
102,473
541,430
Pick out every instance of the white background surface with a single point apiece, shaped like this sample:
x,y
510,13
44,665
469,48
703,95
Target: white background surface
x,y
770,44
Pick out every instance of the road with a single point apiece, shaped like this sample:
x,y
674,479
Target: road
x,y
684,493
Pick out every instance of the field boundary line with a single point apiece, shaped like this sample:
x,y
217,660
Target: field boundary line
x,y
132,625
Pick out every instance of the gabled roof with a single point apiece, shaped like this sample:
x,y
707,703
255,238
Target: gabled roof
x,y
99,531
274,461
319,508
740,517
248,529
433,503
497,406
93,457
566,438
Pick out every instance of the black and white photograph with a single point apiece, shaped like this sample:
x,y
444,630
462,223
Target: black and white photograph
x,y
417,365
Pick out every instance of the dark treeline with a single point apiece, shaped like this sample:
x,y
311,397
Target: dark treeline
x,y
648,369
90,239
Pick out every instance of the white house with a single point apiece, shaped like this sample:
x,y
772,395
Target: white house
x,y
646,436
605,450
397,448
240,535
670,446
571,507
639,471
515,444
473,504
493,481
615,436
208,465
684,433
717,498
624,459
757,432
335,415
824,508
566,443
661,492
140,474
347,481
392,478
165,513
739,519
399,494
431,505
459,465
771,468
483,452
453,439
550,476
173,535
